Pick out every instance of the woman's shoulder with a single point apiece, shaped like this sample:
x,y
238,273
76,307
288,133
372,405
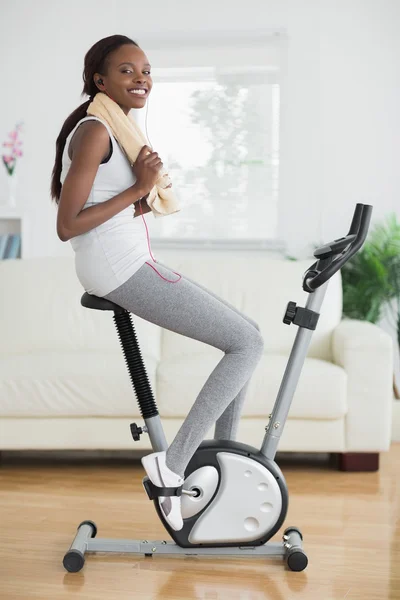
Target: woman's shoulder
x,y
93,127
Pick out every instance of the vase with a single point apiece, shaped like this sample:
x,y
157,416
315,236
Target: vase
x,y
12,191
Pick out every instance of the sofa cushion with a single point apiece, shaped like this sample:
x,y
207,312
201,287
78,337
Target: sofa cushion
x,y
98,384
320,394
65,384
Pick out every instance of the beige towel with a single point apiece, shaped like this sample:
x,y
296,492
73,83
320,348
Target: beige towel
x,y
162,201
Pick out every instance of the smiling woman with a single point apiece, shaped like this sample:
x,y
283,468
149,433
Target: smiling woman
x,y
113,261
114,65
144,90
94,183
119,80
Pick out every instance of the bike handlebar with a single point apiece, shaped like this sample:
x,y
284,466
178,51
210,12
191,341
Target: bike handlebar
x,y
348,246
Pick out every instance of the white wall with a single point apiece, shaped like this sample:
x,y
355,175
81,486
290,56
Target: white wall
x,y
340,137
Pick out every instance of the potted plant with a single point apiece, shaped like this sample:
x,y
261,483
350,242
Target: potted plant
x,y
14,144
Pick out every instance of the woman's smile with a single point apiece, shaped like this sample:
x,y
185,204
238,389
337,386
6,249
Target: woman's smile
x,y
141,92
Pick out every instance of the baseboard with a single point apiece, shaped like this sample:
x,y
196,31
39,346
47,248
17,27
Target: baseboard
x,y
396,421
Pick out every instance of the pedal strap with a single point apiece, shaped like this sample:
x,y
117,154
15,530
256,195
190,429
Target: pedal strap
x,y
154,491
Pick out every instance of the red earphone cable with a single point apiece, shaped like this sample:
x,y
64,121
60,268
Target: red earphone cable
x,y
148,244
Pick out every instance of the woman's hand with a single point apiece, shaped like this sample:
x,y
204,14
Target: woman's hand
x,y
147,169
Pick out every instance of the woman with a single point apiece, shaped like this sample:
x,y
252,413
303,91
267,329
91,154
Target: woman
x,y
98,195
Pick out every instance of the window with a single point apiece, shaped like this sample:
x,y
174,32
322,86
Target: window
x,y
216,128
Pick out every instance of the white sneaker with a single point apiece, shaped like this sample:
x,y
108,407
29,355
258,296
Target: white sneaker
x,y
160,475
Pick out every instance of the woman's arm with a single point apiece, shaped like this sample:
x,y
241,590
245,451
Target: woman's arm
x,y
90,149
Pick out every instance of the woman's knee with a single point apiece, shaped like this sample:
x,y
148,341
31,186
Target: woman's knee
x,y
252,339
250,320
259,342
254,324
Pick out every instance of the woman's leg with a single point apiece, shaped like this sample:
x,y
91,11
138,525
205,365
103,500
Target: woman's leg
x,y
196,283
227,425
186,309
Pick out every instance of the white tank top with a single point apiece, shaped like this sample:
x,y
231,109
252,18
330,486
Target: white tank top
x,y
108,255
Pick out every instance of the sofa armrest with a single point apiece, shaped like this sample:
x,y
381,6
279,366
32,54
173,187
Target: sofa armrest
x,y
365,352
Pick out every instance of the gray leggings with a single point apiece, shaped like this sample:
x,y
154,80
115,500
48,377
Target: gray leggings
x,y
188,308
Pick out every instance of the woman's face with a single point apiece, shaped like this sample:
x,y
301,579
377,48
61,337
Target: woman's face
x,y
128,69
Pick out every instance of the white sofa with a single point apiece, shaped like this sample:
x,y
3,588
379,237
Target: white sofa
x,y
64,383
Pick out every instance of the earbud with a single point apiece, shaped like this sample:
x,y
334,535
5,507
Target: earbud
x,y
100,81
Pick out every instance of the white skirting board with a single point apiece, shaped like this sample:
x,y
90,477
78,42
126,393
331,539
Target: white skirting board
x,y
396,421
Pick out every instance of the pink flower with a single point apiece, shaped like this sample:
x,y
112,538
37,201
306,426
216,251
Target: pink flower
x,y
15,146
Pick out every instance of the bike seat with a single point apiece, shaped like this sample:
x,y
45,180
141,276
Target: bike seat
x,y
91,301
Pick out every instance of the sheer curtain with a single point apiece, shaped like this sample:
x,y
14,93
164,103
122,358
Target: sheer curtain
x,y
214,118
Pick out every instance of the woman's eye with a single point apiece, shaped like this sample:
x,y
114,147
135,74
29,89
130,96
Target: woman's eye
x,y
128,70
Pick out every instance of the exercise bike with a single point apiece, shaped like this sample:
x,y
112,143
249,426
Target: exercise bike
x,y
234,497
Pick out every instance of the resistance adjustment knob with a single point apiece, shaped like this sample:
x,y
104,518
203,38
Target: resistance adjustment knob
x,y
290,313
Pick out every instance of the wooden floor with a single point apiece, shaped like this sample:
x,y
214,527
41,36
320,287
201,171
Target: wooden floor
x,y
350,523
